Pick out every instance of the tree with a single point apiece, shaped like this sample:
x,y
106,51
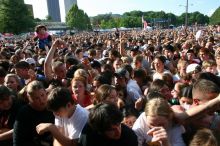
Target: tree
x,y
77,19
48,18
15,17
215,18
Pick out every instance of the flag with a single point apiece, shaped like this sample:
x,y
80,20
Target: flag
x,y
142,19
145,25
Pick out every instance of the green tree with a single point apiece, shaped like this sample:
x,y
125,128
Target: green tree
x,y
15,17
215,18
77,19
48,18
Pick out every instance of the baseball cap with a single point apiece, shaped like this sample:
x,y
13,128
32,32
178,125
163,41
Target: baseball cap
x,y
193,67
30,61
41,61
135,48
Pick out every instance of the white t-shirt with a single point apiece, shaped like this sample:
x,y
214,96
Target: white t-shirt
x,y
140,128
157,75
133,90
73,126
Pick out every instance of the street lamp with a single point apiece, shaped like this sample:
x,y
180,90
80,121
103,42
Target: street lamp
x,y
186,18
186,15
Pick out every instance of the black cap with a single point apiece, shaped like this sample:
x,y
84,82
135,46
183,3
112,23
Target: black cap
x,y
135,48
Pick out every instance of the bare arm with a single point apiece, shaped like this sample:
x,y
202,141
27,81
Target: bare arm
x,y
57,133
122,45
48,61
6,135
211,105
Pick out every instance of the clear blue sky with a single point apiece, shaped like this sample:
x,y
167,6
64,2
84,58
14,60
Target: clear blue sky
x,y
94,7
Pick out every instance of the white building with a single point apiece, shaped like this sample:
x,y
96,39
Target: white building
x,y
65,6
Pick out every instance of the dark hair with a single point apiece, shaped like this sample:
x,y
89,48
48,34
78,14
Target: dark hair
x,y
115,53
101,79
154,94
38,27
161,58
129,68
71,61
186,92
103,92
139,73
77,51
59,97
22,65
168,47
95,64
2,72
209,76
108,75
156,85
103,116
129,111
5,64
4,92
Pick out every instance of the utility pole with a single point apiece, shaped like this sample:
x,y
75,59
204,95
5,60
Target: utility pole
x,y
186,18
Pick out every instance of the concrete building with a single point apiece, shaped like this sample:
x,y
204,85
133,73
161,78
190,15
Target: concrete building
x,y
65,6
54,10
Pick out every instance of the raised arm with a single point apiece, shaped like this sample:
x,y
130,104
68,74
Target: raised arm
x,y
48,61
211,105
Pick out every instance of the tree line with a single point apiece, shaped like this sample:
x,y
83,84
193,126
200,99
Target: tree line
x,y
16,18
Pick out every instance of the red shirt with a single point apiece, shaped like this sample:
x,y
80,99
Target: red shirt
x,y
86,102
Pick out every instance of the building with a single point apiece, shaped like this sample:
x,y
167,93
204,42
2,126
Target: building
x,y
68,4
65,6
54,10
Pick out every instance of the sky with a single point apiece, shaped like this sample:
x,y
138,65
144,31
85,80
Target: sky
x,y
95,7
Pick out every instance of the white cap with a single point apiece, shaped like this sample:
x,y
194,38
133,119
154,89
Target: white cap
x,y
41,60
191,67
30,61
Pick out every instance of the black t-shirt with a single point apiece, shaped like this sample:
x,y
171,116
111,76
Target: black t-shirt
x,y
25,127
7,119
89,137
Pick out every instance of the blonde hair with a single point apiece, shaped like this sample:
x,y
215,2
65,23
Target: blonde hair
x,y
56,64
81,79
204,137
181,63
158,107
208,63
126,59
16,77
81,73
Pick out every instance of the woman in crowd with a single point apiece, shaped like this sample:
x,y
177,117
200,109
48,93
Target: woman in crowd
x,y
105,94
159,66
80,94
12,81
157,125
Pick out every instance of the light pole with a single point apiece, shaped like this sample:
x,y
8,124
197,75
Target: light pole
x,y
186,18
186,15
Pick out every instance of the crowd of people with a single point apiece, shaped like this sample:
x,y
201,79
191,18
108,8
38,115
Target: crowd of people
x,y
122,88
